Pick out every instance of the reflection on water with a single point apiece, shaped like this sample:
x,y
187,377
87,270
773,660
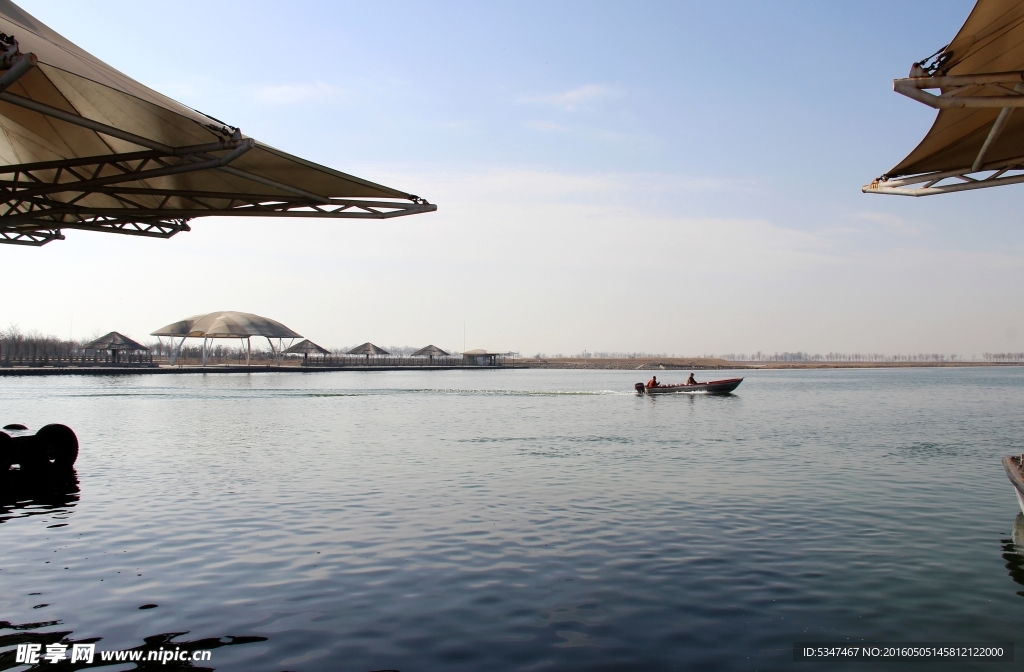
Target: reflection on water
x,y
25,494
1013,552
29,633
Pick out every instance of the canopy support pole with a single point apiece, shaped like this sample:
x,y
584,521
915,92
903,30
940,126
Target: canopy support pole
x,y
175,350
993,135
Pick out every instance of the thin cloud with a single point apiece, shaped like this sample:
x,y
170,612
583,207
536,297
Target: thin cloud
x,y
575,98
889,221
290,94
546,126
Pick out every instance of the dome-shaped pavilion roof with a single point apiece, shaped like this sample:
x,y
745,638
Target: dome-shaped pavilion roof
x,y
227,324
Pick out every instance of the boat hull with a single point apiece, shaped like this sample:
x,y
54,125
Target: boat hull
x,y
1012,465
711,387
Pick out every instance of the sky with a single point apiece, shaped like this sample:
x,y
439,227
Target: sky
x,y
673,177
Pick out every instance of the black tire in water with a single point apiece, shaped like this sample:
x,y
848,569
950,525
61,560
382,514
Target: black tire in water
x,y
6,453
58,443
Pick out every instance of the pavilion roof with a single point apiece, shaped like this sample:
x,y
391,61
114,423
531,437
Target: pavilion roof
x,y
368,349
430,351
306,347
115,341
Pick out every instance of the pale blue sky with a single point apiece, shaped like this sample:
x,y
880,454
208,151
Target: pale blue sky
x,y
570,146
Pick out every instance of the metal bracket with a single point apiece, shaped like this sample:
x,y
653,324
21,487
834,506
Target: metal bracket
x,y
953,86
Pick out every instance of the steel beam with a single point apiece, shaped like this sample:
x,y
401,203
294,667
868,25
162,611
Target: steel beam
x,y
267,182
35,237
967,180
155,229
20,64
120,158
132,176
77,120
994,133
348,210
913,87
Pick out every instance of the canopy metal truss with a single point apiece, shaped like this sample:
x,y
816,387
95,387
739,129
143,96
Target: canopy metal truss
x,y
955,90
142,186
1004,172
40,199
976,83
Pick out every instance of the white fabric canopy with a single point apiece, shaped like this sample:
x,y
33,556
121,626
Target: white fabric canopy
x,y
990,41
226,324
85,146
977,139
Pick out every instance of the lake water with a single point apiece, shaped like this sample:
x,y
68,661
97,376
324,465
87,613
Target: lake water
x,y
518,520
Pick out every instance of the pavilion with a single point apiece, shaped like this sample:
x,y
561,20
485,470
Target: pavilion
x,y
307,348
226,324
430,351
115,343
483,358
84,146
977,140
368,349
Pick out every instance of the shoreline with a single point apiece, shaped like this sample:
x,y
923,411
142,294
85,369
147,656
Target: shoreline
x,y
216,368
567,363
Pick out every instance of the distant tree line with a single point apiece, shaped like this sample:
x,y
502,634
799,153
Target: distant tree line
x,y
605,355
1004,357
842,357
18,347
803,357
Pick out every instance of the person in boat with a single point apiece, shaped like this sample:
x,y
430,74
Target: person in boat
x,y
653,382
691,380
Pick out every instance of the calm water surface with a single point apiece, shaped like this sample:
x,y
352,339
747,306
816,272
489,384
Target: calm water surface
x,y
518,520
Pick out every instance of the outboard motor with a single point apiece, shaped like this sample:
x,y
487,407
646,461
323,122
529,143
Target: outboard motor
x,y
640,389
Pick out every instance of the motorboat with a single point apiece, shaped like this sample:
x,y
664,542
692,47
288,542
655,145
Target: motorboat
x,y
1012,465
711,387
